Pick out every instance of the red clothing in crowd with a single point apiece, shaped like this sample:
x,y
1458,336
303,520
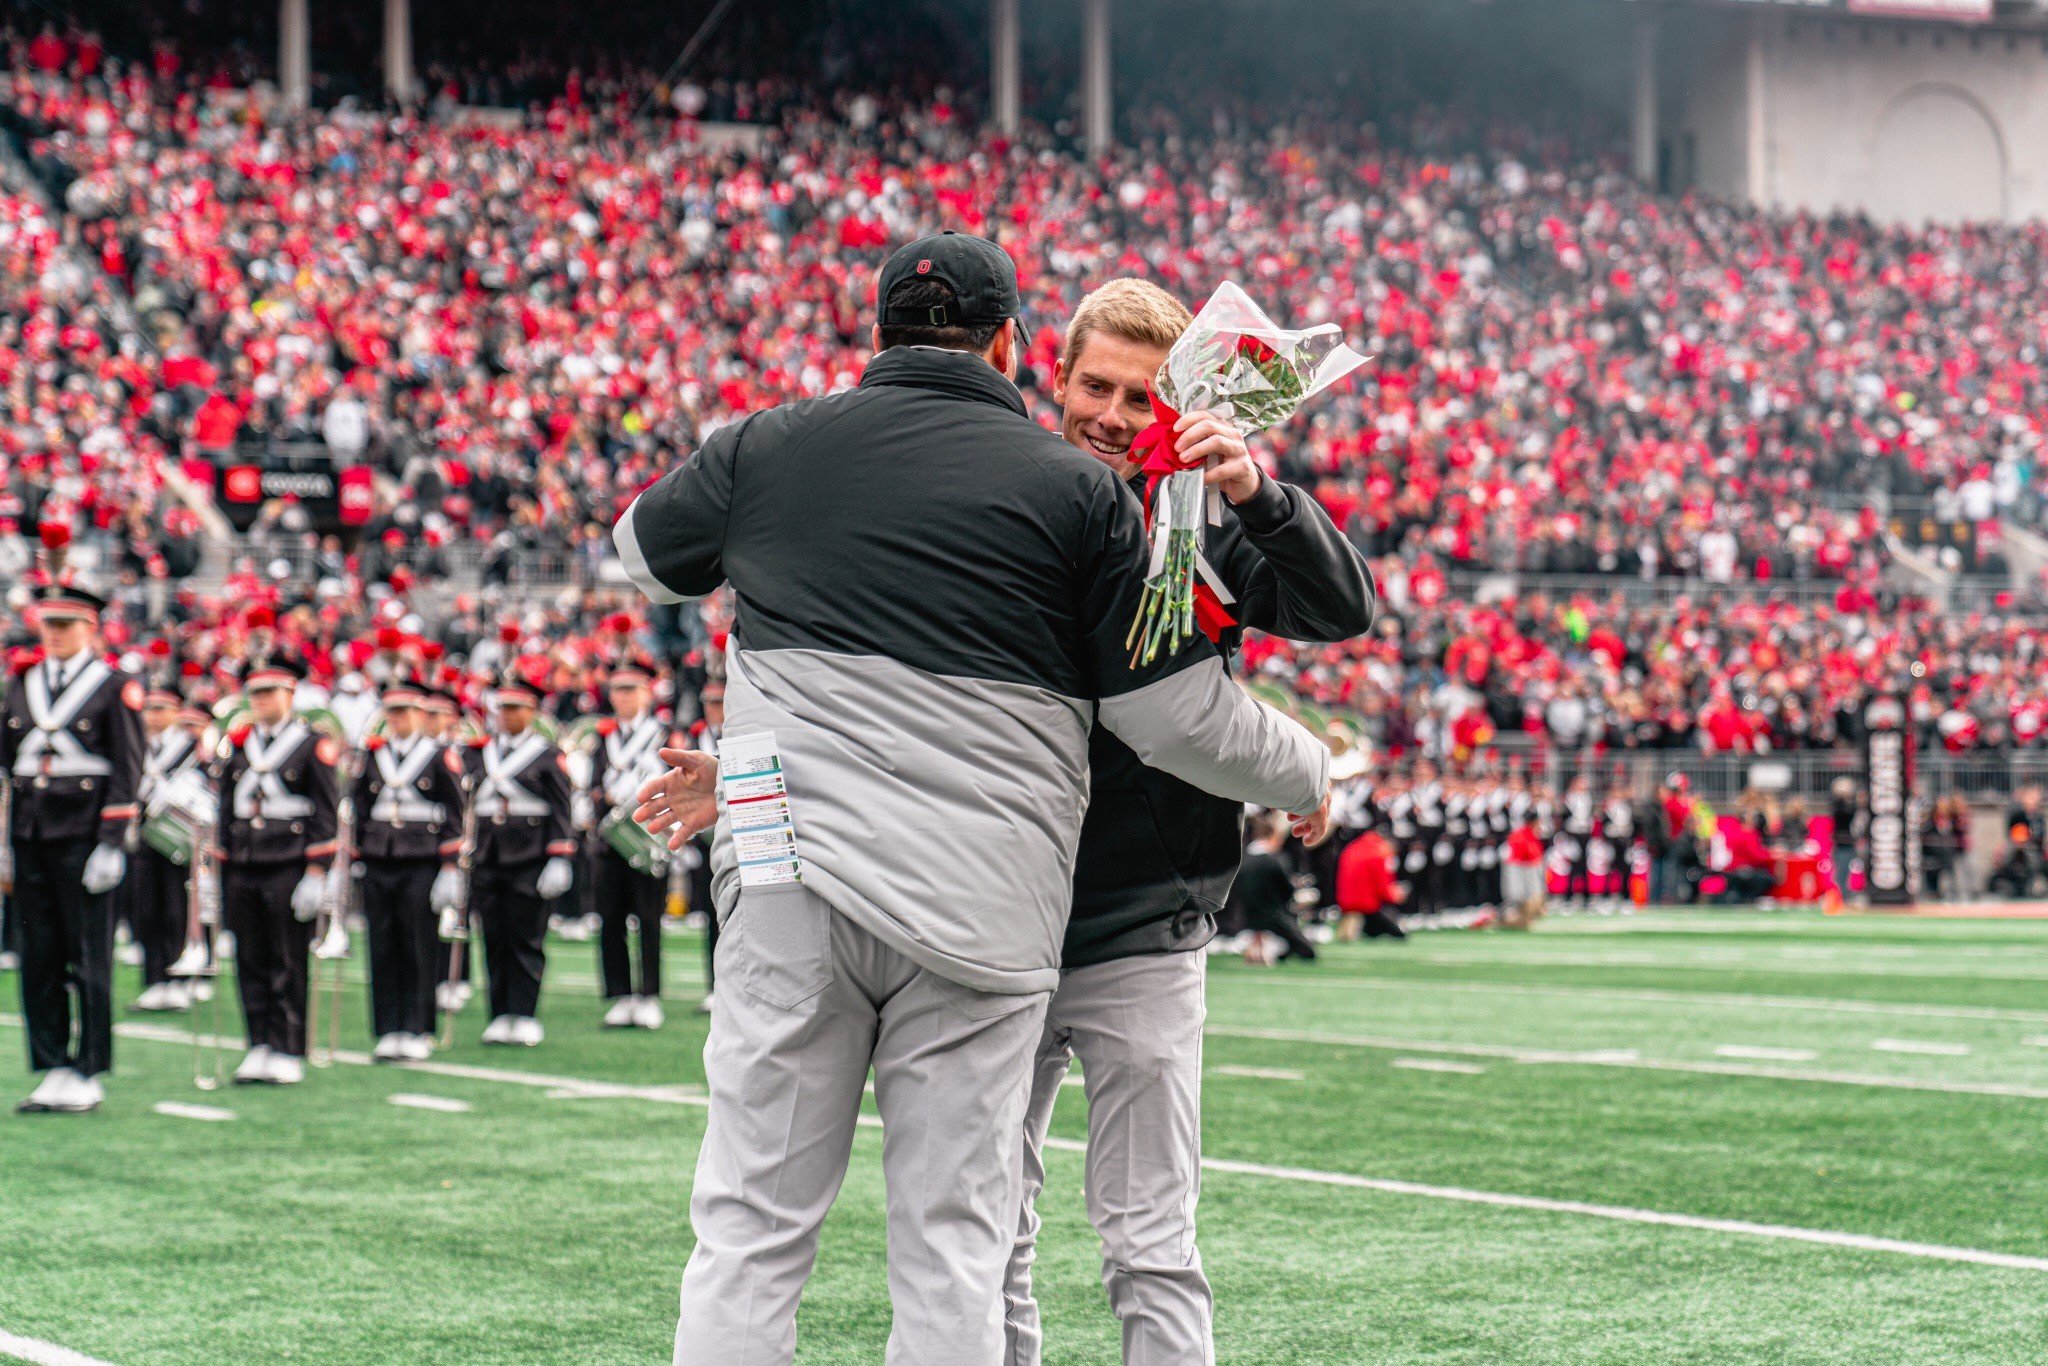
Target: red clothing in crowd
x,y
1365,875
1746,848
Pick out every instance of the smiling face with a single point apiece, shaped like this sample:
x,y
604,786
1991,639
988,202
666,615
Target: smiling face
x,y
1102,396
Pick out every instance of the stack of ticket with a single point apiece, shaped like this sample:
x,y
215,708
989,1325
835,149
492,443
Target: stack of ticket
x,y
757,810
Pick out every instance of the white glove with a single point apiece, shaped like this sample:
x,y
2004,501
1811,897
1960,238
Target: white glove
x,y
582,810
309,896
103,868
447,893
554,879
453,926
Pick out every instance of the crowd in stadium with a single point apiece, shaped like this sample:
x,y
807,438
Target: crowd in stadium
x,y
517,326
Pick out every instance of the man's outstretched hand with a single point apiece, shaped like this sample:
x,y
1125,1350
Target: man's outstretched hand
x,y
682,801
1313,828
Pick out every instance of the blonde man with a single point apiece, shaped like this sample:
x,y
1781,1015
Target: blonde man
x,y
1157,857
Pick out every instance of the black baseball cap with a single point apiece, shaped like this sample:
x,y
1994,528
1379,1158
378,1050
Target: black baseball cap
x,y
983,277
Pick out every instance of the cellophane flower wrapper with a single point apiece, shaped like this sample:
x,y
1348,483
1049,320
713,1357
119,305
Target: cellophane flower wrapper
x,y
1234,358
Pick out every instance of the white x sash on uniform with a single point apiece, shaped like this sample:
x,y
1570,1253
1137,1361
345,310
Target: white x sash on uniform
x,y
501,794
168,754
630,759
397,804
260,779
50,750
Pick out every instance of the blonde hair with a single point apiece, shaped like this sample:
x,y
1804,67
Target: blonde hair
x,y
1136,310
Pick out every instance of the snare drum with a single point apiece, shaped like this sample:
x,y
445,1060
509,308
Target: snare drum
x,y
631,842
179,811
171,833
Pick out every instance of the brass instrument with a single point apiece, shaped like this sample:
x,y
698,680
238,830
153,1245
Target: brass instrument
x,y
196,964
454,927
330,941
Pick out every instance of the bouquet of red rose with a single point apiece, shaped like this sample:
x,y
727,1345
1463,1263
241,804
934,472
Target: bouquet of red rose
x,y
1234,358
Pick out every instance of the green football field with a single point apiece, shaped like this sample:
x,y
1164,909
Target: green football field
x,y
1663,1138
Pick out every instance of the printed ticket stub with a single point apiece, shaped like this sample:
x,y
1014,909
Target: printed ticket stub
x,y
757,809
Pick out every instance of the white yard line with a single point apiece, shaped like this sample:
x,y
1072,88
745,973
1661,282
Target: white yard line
x,y
2038,1041
1708,962
1623,1057
446,1105
1463,1069
1659,995
178,1109
1921,1046
1622,1213
1824,1237
1260,1073
42,1353
1763,1054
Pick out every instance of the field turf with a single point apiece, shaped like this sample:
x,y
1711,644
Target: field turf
x,y
1676,1137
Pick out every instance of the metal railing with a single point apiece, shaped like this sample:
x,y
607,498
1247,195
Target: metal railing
x,y
1486,586
1809,775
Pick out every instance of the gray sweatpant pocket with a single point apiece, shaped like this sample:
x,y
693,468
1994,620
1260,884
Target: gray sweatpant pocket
x,y
782,944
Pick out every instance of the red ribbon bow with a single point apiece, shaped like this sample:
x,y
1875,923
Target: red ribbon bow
x,y
1153,449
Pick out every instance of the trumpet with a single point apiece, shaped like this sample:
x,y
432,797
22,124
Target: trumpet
x,y
330,944
454,927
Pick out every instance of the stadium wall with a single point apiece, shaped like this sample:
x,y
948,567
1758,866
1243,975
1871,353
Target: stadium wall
x,y
1908,122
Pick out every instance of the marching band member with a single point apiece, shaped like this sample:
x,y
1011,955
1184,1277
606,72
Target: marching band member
x,y
1574,839
71,749
696,855
277,824
628,754
407,835
196,721
524,841
440,715
156,884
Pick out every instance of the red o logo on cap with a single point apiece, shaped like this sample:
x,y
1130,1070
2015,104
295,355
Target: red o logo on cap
x,y
924,267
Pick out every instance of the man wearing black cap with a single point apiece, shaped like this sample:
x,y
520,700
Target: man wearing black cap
x,y
71,749
277,824
524,841
408,833
934,596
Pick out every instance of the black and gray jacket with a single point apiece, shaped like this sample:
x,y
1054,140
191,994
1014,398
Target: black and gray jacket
x,y
1157,854
933,594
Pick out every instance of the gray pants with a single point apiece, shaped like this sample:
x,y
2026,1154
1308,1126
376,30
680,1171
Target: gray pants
x,y
807,1002
1136,1025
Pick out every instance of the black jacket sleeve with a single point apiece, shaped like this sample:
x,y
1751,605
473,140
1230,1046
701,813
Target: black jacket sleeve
x,y
324,824
125,748
1292,571
550,782
448,792
671,541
